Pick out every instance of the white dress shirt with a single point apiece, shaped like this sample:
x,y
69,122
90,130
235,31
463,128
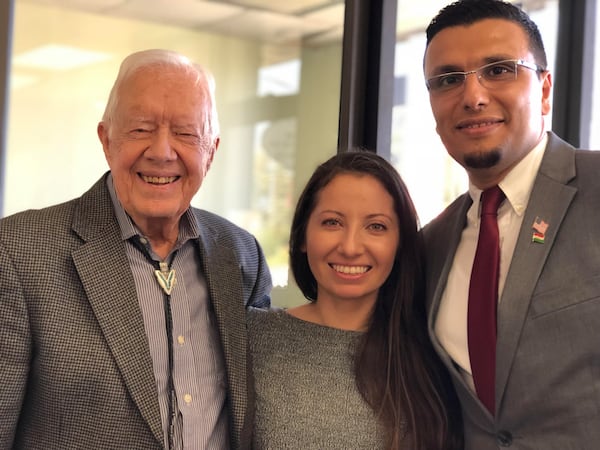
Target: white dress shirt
x,y
451,320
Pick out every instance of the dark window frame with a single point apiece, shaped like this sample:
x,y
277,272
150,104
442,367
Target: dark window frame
x,y
367,76
6,24
574,71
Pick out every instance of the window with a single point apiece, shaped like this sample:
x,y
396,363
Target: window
x,y
433,178
277,78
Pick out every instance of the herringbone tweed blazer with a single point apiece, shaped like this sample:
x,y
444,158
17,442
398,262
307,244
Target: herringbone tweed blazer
x,y
75,366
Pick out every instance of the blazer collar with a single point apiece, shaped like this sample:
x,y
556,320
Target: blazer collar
x,y
102,266
226,291
550,198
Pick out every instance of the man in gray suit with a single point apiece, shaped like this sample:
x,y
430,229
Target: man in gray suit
x,y
122,312
489,89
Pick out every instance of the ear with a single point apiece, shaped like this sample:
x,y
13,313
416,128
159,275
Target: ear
x,y
102,131
546,93
212,150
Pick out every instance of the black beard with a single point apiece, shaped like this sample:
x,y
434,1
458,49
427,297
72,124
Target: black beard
x,y
483,160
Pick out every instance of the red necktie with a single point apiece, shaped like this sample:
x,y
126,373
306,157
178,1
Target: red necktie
x,y
483,299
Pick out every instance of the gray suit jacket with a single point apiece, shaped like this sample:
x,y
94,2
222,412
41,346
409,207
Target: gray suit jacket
x,y
75,366
548,349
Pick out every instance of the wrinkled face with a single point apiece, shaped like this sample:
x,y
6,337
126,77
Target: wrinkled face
x,y
155,144
487,130
351,239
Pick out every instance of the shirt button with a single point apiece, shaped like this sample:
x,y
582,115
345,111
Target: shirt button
x,y
504,438
180,340
187,398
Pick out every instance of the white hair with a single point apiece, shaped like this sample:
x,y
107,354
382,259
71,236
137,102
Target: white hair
x,y
168,59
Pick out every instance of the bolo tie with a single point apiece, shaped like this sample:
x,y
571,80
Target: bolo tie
x,y
166,279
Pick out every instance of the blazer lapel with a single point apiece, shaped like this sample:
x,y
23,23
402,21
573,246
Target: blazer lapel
x,y
223,277
103,267
549,201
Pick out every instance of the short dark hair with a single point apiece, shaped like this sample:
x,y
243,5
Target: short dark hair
x,y
357,161
467,12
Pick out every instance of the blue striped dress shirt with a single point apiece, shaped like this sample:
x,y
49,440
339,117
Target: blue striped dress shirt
x,y
199,369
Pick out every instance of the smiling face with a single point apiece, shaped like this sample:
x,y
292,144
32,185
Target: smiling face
x,y
352,236
156,146
487,131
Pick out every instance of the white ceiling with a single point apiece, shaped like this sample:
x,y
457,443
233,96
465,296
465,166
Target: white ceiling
x,y
313,22
274,21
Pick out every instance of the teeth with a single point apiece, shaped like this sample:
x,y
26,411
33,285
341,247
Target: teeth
x,y
352,270
158,180
478,125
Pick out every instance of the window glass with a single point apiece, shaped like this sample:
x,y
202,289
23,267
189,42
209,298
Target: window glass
x,y
433,178
277,71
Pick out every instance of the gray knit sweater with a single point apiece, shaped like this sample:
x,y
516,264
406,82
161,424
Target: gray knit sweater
x,y
306,397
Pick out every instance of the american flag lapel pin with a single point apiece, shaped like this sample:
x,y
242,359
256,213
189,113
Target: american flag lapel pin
x,y
539,230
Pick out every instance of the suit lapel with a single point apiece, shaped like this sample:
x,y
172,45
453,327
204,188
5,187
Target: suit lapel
x,y
223,277
103,268
550,198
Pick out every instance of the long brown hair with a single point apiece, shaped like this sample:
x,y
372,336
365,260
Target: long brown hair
x,y
397,371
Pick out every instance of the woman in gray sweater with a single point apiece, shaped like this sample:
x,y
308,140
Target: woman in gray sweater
x,y
352,368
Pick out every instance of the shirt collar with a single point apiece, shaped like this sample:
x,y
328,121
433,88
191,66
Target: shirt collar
x,y
188,225
518,183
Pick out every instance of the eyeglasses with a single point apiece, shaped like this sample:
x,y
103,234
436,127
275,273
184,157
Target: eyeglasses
x,y
491,76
